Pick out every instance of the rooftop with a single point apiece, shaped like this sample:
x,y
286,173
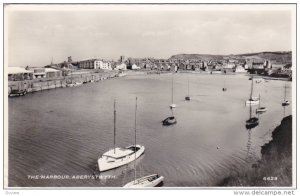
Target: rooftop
x,y
18,70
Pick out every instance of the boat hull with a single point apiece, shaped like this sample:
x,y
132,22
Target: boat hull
x,y
104,165
169,121
17,93
261,110
252,122
285,103
172,106
146,181
252,102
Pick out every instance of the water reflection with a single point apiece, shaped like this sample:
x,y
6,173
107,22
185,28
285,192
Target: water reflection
x,y
251,123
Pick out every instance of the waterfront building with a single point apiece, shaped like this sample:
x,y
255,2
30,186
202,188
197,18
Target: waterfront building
x,y
53,73
89,64
19,74
106,65
121,66
95,64
240,69
134,66
39,72
229,65
42,72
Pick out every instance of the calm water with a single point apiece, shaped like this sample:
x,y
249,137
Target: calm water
x,y
64,131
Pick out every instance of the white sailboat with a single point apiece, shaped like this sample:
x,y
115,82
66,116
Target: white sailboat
x,y
285,102
117,157
252,100
152,180
260,109
146,181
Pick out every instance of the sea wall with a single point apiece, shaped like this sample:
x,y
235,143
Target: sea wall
x,y
52,83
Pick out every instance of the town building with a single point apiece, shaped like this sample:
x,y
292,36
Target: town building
x,y
19,74
121,66
134,66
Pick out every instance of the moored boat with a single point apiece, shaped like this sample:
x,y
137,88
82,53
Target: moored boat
x,y
146,181
169,121
173,106
188,98
285,102
261,109
252,122
117,156
17,92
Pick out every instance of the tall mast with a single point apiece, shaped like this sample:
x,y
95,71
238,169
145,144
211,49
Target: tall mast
x,y
251,88
172,87
188,87
284,92
115,116
135,138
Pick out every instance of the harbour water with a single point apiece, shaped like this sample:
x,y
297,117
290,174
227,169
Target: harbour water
x,y
64,131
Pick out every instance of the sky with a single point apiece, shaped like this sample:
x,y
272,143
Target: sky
x,y
35,37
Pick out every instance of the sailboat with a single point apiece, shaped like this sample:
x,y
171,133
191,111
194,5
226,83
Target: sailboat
x,y
173,105
252,100
188,98
260,109
252,121
285,102
117,157
146,181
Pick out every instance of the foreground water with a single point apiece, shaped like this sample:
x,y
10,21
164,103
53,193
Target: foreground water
x,y
63,131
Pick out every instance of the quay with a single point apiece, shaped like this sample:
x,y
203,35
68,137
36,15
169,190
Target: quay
x,y
22,87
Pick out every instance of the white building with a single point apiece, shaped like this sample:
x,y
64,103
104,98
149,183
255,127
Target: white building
x,y
19,73
121,66
240,69
53,73
134,66
105,65
229,65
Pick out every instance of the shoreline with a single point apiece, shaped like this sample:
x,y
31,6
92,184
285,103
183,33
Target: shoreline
x,y
274,169
86,76
35,85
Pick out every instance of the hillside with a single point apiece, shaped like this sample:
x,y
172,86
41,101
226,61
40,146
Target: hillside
x,y
281,57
